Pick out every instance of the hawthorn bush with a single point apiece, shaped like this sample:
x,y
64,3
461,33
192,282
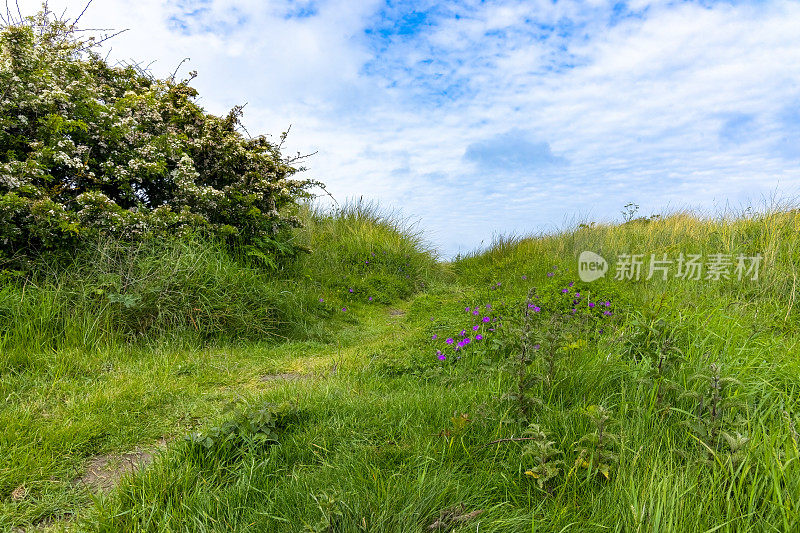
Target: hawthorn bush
x,y
88,149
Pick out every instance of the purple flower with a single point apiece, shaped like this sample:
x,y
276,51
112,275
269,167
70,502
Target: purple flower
x,y
366,262
449,340
536,309
321,300
461,343
536,346
433,337
475,328
491,329
344,309
370,298
577,295
485,319
549,274
475,311
351,290
591,304
463,332
571,283
440,355
607,313
479,337
467,340
573,310
564,291
608,304
488,306
467,310
524,277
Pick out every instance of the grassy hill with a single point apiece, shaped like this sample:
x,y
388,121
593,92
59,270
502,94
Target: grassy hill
x,y
174,386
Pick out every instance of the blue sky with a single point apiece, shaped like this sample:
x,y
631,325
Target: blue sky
x,y
479,118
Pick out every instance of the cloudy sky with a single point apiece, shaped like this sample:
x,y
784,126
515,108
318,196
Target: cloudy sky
x,y
478,118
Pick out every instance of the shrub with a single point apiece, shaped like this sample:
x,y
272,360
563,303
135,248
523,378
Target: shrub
x,y
88,149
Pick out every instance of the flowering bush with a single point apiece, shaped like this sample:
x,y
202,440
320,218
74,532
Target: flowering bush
x,y
87,149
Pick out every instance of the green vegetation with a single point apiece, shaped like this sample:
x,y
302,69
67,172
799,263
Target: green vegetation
x,y
189,345
87,149
681,415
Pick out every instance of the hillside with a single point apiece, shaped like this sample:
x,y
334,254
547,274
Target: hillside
x,y
657,405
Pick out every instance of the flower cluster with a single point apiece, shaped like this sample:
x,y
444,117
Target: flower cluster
x,y
481,325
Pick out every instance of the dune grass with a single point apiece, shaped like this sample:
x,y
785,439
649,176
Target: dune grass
x,y
368,430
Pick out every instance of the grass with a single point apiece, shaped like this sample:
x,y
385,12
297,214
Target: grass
x,y
378,434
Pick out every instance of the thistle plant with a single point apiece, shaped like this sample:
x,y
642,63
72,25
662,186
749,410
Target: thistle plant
x,y
553,350
519,395
545,455
715,399
597,453
663,365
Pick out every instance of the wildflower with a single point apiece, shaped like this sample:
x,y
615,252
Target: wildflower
x,y
344,309
461,344
608,304
591,304
571,283
475,311
467,310
351,290
524,277
488,306
440,355
491,329
479,337
577,295
564,291
536,346
463,333
607,313
370,298
536,309
549,274
449,340
366,262
573,310
467,340
486,319
321,300
475,327
433,337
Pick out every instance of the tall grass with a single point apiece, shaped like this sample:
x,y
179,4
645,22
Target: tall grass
x,y
361,247
390,438
196,290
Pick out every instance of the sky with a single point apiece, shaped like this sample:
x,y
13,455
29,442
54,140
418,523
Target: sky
x,y
473,119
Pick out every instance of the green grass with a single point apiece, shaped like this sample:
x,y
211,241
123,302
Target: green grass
x,y
378,434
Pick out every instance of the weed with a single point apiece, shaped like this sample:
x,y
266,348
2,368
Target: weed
x,y
596,449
